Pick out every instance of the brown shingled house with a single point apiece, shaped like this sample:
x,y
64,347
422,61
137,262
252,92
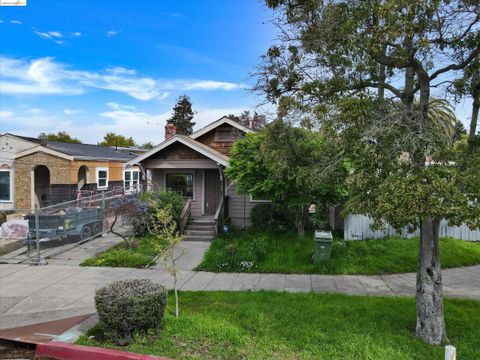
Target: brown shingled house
x,y
194,165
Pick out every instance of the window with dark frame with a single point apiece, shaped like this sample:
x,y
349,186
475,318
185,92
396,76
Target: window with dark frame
x,y
181,183
5,185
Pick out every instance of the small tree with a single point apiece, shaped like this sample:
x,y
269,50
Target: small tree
x,y
289,166
112,139
61,136
254,121
183,115
165,239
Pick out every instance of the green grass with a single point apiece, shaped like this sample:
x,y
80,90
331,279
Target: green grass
x,y
267,325
141,255
287,253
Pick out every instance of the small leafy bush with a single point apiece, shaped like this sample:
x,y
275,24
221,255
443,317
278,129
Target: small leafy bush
x,y
120,257
146,219
129,306
268,216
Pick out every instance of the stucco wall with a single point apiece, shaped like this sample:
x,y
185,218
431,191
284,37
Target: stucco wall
x,y
9,146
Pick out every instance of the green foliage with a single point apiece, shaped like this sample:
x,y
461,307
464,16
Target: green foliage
x,y
162,199
285,252
274,325
183,115
148,145
61,136
140,256
128,306
293,167
268,216
112,139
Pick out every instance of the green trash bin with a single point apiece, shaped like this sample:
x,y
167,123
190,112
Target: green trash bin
x,y
323,246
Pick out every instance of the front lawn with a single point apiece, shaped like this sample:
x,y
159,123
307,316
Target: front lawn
x,y
269,252
141,255
268,325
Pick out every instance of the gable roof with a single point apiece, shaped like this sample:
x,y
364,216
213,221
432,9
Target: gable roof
x,y
191,143
221,121
79,151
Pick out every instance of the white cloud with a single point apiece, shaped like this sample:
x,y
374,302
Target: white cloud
x,y
76,34
46,76
112,33
33,111
121,119
16,22
70,111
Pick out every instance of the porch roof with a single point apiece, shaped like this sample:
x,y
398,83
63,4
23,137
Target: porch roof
x,y
187,141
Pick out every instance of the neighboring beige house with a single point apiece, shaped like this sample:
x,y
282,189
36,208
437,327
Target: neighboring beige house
x,y
194,166
40,172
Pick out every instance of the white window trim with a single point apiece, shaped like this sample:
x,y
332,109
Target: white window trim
x,y
259,201
192,172
131,171
97,170
10,199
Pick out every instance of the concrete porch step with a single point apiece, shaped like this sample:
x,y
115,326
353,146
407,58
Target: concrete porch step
x,y
198,238
191,232
200,227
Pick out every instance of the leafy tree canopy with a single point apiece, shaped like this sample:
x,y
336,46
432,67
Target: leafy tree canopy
x,y
112,139
288,165
61,136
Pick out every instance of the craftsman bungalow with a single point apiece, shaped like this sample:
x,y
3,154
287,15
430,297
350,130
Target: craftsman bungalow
x,y
194,166
40,172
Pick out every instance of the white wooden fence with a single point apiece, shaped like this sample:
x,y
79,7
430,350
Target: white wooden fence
x,y
357,227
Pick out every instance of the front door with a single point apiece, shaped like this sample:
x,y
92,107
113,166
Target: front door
x,y
212,191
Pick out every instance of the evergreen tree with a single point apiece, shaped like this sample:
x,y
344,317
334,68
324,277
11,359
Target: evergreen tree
x,y
183,115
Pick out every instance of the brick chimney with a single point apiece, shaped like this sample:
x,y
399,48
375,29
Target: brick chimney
x,y
170,130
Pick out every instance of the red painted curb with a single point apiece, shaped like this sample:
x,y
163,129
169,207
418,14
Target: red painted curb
x,y
63,351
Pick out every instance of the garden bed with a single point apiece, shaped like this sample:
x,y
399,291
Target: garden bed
x,y
267,325
139,256
275,252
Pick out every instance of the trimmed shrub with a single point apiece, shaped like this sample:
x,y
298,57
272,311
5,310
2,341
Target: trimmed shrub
x,y
129,306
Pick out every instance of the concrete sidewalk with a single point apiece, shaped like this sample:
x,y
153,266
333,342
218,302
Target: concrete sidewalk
x,y
30,295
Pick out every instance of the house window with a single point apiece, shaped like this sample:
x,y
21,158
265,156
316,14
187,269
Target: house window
x,y
181,183
5,181
258,199
102,178
131,180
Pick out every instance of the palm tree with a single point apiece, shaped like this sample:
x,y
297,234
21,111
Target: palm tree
x,y
441,114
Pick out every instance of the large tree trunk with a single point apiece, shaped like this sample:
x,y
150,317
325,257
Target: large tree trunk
x,y
475,108
430,319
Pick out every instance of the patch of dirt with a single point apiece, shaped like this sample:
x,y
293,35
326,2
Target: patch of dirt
x,y
15,351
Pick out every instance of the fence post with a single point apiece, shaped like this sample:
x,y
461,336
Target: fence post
x,y
38,259
103,213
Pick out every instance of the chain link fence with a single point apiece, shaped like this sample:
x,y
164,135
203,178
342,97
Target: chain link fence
x,y
34,235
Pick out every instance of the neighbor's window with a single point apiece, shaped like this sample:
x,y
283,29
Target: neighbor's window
x,y
102,178
131,179
258,199
5,185
181,183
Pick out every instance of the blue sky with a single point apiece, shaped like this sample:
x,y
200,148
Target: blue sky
x,y
89,67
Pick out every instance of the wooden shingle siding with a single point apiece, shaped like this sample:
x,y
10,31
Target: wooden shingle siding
x,y
178,151
239,208
213,140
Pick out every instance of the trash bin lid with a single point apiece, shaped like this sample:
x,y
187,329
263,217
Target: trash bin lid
x,y
323,234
